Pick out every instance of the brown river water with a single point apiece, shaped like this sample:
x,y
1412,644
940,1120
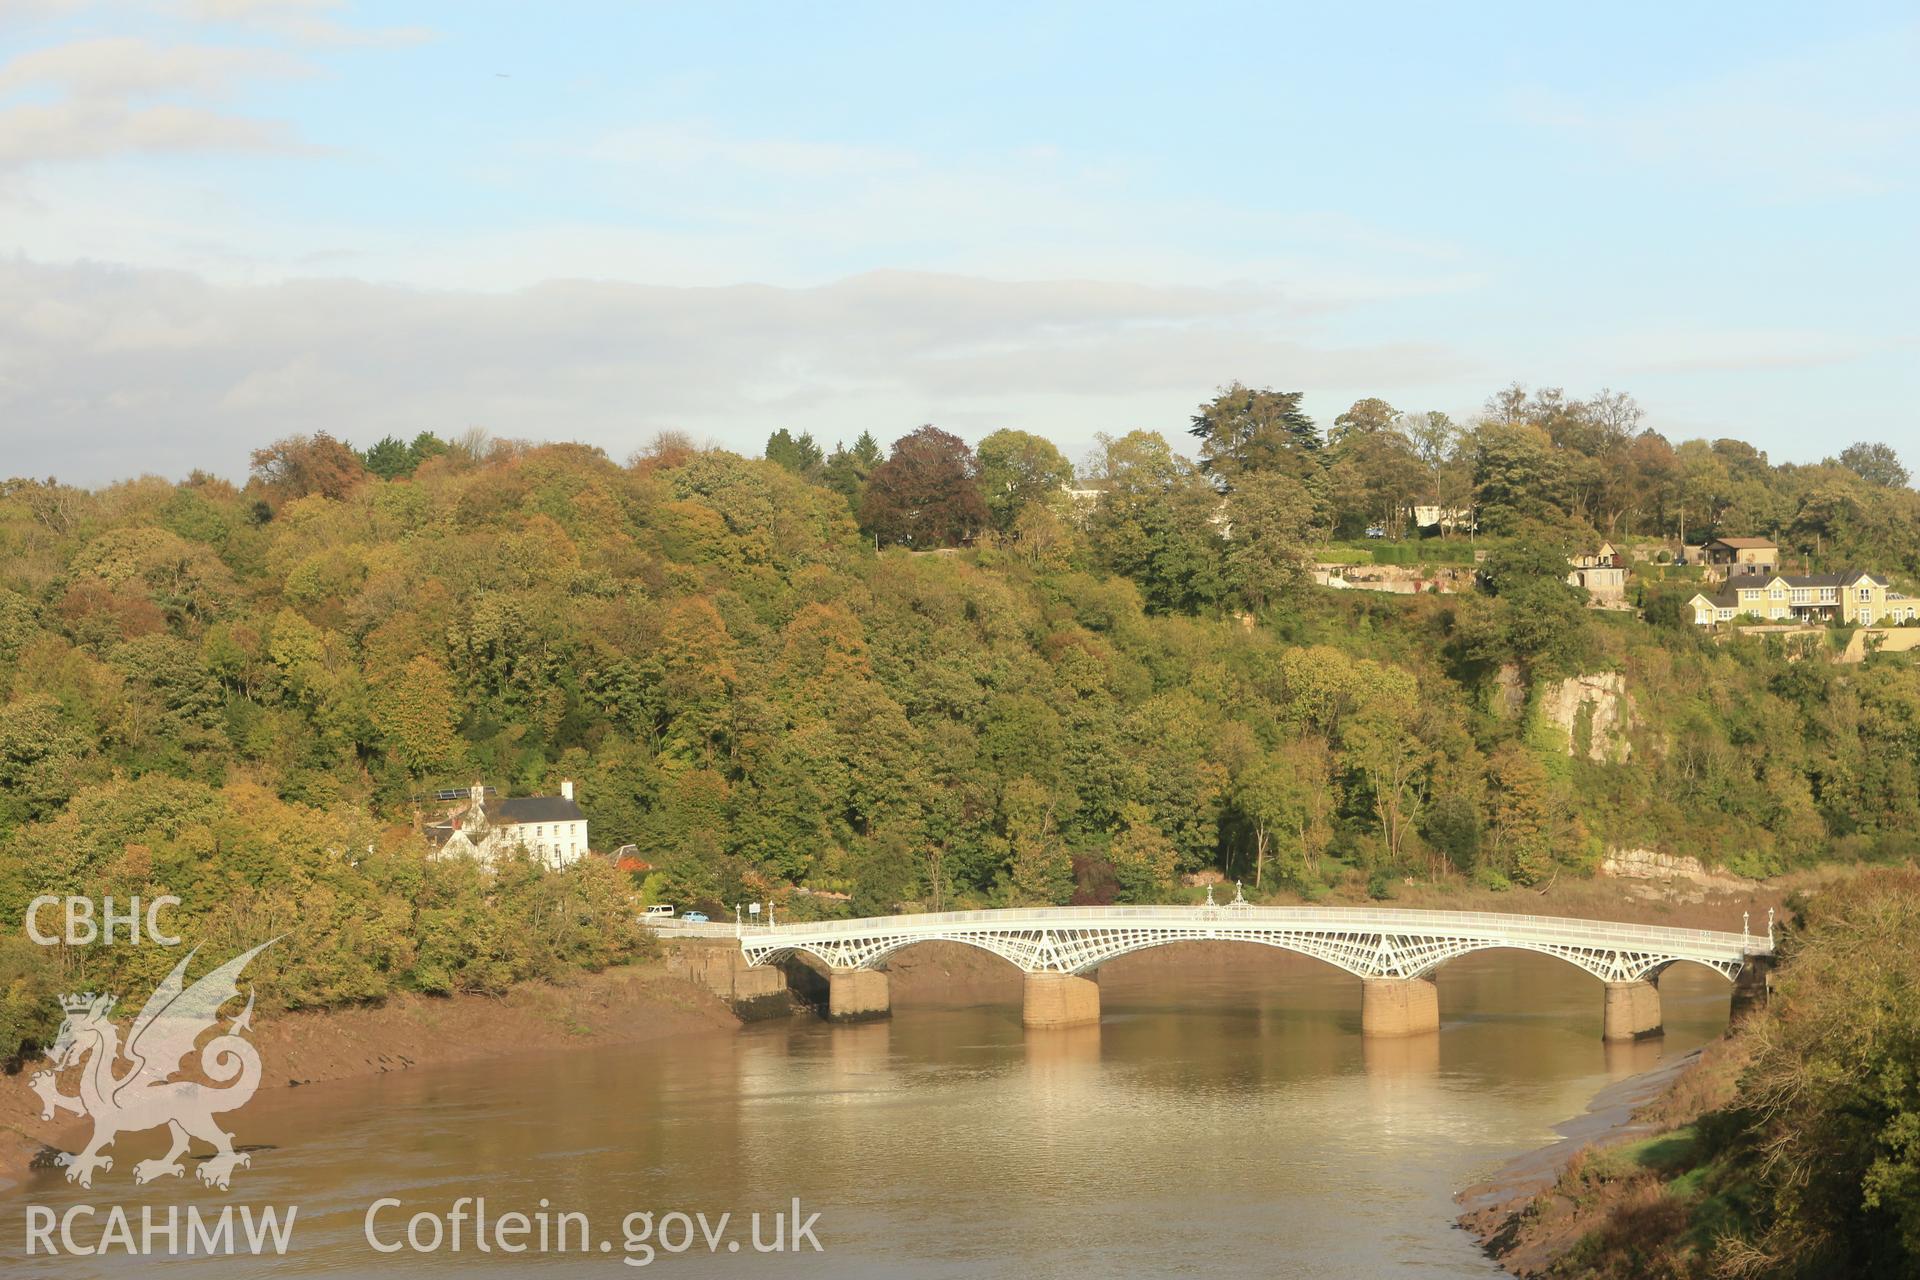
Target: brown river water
x,y
1213,1124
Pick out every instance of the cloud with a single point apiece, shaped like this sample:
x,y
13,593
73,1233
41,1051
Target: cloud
x,y
125,66
117,371
302,21
105,108
88,130
22,12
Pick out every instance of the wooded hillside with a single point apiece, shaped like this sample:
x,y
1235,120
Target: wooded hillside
x,y
782,672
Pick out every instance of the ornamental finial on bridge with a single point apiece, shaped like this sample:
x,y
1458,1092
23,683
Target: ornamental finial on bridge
x,y
1745,916
1209,895
1769,924
1239,896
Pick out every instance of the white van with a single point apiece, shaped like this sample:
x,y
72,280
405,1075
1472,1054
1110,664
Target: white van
x,y
660,911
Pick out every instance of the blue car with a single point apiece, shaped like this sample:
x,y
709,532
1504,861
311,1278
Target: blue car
x,y
695,917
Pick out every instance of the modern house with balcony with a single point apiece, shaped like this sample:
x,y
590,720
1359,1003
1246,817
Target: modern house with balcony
x,y
1852,597
1726,558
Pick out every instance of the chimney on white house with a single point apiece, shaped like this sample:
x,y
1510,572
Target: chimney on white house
x,y
566,789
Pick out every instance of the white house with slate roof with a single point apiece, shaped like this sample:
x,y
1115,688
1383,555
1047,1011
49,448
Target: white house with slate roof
x,y
551,828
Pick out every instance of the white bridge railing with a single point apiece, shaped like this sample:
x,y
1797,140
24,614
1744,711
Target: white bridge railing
x,y
1368,942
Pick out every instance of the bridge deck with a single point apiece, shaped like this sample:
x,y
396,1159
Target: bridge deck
x,y
1369,942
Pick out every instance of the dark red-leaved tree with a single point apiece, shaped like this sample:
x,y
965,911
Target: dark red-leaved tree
x,y
926,494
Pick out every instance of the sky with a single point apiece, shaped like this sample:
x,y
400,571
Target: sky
x,y
225,221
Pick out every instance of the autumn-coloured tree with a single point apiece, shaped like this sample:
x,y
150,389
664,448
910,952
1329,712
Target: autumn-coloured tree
x,y
926,494
296,466
697,658
415,710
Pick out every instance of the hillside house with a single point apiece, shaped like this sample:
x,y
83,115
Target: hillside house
x,y
551,828
1736,557
1603,573
1441,519
1852,597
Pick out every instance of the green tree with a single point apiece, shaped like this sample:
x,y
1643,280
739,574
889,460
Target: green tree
x,y
1243,430
1039,871
1157,523
1537,617
1370,416
392,458
1380,741
39,754
1524,815
388,458
846,469
1518,476
1017,470
1875,463
799,455
1833,1098
1268,518
699,677
1143,858
1276,794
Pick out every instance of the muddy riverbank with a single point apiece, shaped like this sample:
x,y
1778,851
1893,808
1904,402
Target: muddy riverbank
x,y
1505,1213
628,1005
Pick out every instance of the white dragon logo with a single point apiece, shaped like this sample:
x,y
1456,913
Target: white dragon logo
x,y
144,1097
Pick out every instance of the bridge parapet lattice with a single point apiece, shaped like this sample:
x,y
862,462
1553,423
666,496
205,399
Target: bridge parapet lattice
x,y
1366,942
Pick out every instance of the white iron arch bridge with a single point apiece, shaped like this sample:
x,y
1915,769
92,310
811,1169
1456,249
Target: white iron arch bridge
x,y
1393,951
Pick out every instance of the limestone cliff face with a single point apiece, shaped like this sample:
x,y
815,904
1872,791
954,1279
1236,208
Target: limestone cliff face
x,y
1669,869
1594,708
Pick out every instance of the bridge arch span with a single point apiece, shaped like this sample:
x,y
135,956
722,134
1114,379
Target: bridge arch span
x,y
875,955
1394,952
1365,955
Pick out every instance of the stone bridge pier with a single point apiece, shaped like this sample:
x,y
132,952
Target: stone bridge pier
x,y
1632,1010
1059,1000
1399,1006
858,995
